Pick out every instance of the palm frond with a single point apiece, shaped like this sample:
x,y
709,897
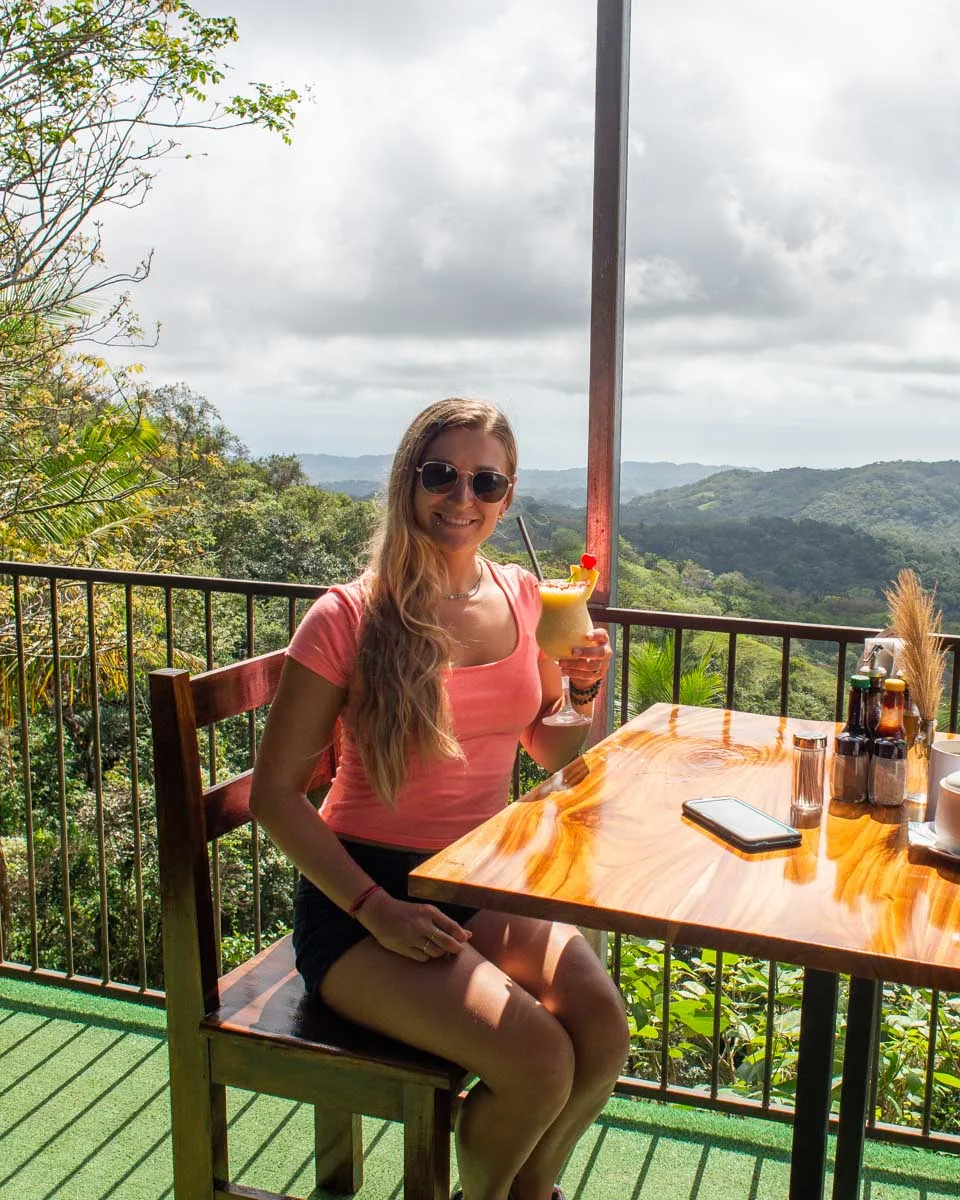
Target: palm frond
x,y
651,676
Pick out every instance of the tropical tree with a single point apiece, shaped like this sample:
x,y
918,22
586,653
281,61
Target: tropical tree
x,y
95,92
77,465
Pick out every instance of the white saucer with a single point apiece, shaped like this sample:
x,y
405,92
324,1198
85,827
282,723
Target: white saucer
x,y
924,833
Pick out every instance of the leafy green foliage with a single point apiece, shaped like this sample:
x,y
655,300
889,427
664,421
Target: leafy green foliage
x,y
749,1050
809,569
76,464
739,1022
203,507
298,533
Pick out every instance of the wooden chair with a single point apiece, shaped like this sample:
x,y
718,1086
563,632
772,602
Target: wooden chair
x,y
255,1027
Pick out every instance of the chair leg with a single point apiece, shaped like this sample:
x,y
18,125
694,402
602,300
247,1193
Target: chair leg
x,y
426,1143
198,1125
218,1131
338,1149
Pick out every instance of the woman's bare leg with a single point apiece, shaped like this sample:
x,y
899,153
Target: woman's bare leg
x,y
555,963
467,1010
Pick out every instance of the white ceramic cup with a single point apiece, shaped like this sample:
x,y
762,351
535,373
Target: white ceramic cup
x,y
947,820
944,760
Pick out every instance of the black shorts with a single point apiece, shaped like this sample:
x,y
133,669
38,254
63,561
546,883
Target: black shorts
x,y
322,931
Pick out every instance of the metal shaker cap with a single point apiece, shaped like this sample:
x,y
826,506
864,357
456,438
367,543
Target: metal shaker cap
x,y
810,740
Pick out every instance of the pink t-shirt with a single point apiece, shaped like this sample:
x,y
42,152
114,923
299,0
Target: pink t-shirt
x,y
491,704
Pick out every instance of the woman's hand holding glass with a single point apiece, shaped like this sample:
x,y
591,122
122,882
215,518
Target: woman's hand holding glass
x,y
589,663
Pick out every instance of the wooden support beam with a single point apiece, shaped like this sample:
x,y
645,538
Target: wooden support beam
x,y
606,306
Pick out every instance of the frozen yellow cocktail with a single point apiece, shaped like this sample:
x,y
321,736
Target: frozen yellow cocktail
x,y
564,620
565,624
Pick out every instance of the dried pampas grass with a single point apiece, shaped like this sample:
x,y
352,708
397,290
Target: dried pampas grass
x,y
923,659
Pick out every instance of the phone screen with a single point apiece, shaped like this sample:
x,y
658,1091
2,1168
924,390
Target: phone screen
x,y
741,822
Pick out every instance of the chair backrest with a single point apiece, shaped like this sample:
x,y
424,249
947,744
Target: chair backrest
x,y
189,814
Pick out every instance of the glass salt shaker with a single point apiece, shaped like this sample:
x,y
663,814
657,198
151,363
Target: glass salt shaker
x,y
888,772
809,763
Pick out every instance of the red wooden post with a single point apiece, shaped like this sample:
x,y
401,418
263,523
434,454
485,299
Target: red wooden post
x,y
606,306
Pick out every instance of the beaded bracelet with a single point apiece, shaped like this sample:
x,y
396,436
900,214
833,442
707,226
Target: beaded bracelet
x,y
583,695
363,898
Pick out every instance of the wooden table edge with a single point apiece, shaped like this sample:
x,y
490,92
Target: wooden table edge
x,y
787,951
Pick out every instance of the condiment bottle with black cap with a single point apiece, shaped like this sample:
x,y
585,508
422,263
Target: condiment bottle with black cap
x,y
850,769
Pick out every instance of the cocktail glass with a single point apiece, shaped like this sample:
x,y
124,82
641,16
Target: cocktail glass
x,y
564,623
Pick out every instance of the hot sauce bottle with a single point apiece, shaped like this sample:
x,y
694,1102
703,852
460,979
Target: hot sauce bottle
x,y
888,766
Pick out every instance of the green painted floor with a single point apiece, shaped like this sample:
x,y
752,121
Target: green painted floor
x,y
84,1116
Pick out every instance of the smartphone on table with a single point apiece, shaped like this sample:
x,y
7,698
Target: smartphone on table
x,y
740,823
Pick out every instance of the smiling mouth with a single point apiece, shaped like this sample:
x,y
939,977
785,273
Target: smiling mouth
x,y
456,522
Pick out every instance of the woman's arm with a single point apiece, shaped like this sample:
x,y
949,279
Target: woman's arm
x,y
553,746
299,728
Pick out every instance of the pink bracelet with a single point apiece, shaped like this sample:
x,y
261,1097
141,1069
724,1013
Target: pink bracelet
x,y
363,898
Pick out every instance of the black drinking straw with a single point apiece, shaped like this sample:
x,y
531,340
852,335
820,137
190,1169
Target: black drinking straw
x,y
530,550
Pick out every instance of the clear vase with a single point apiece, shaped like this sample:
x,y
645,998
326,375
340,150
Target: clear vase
x,y
920,735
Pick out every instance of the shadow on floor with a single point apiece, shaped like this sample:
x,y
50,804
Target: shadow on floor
x,y
84,1115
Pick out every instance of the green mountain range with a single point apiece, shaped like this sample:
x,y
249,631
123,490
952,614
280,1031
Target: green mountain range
x,y
821,534
881,498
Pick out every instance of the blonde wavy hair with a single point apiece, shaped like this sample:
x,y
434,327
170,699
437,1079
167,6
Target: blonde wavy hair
x,y
402,705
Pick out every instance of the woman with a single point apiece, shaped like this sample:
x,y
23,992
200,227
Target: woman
x,y
430,660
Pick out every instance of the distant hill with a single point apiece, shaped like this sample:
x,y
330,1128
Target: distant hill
x,y
366,470
813,557
883,498
636,479
367,473
823,533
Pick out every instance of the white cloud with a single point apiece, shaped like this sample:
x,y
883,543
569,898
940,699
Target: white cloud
x,y
793,228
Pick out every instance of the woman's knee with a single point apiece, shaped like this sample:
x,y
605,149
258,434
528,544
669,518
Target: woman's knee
x,y
615,1030
598,1028
538,1065
547,1060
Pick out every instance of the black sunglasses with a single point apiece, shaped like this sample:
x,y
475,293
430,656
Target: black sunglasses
x,y
440,478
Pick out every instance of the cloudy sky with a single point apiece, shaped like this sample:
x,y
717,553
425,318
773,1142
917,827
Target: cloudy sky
x,y
793,278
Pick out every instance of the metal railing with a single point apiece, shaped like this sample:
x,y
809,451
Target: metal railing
x,y
79,901
76,646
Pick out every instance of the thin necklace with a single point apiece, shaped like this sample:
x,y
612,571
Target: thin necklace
x,y
467,595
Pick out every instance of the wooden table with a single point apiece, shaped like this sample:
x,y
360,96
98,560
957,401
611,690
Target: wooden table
x,y
603,844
